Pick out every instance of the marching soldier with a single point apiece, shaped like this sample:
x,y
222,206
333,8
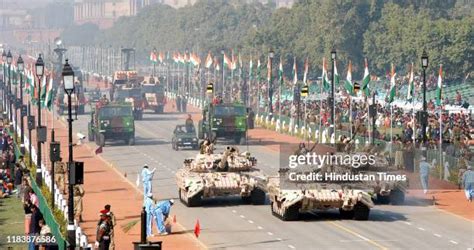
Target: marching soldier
x,y
78,194
59,172
112,223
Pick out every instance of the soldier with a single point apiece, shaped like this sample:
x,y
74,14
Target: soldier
x,y
189,123
104,101
223,163
103,231
78,195
112,222
204,145
59,172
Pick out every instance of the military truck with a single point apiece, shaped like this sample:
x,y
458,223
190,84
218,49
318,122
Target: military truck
x,y
112,121
132,95
154,97
226,120
287,203
218,175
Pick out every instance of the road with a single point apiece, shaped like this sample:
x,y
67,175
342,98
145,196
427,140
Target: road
x,y
229,224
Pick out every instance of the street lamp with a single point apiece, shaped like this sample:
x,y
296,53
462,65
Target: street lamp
x,y
68,81
271,54
332,101
39,68
21,67
424,118
9,62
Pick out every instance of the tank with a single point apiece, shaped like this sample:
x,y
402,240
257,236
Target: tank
x,y
229,173
287,203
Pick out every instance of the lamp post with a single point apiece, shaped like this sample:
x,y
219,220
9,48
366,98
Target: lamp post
x,y
21,66
424,65
39,67
271,54
333,90
68,80
9,62
4,87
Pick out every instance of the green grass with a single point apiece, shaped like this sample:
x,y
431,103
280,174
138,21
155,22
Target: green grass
x,y
12,219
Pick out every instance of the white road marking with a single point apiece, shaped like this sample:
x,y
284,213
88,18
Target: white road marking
x,y
269,233
250,221
291,246
422,229
241,216
260,228
233,211
406,222
454,242
279,239
437,235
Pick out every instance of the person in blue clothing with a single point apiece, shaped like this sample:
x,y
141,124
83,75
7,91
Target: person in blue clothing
x,y
424,173
468,183
161,213
147,177
149,209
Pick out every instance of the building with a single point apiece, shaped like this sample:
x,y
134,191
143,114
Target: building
x,y
183,3
105,12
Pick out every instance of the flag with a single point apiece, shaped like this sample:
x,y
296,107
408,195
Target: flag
x,y
197,229
43,90
227,62
49,95
251,69
411,85
336,75
280,72
305,74
234,62
98,150
348,83
137,181
295,72
153,57
269,69
366,79
324,77
439,88
176,57
208,60
217,64
259,68
391,96
161,57
241,70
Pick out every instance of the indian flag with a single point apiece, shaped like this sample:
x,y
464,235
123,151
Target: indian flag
x,y
269,70
259,68
43,89
439,88
366,79
305,74
251,69
49,95
280,72
295,72
217,65
336,75
324,76
234,62
227,62
393,91
411,85
348,82
161,57
209,62
153,57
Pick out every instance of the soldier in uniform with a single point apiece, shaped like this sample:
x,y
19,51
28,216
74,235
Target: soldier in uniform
x,y
59,172
78,194
112,223
103,231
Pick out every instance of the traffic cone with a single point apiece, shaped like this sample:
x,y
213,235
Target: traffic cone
x,y
174,218
197,229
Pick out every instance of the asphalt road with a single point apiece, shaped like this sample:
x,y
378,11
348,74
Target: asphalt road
x,y
230,224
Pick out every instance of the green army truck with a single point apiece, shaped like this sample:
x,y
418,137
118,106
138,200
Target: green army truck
x,y
226,120
113,121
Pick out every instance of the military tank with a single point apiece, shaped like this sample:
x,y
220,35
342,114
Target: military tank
x,y
229,173
287,203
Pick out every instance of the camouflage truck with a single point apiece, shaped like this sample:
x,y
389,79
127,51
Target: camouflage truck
x,y
154,97
224,121
288,202
112,121
218,175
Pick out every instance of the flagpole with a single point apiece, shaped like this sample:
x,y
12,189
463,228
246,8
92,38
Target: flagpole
x,y
350,115
391,128
320,110
441,139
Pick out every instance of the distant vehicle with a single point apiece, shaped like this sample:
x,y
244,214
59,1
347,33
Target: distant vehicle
x,y
227,120
184,136
78,99
133,96
113,121
154,97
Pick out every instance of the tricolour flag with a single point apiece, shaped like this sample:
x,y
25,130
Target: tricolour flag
x,y
161,57
49,95
280,73
305,74
153,57
324,77
227,62
393,91
411,85
217,65
259,68
295,72
269,69
208,60
366,79
43,90
439,88
348,82
336,75
251,69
